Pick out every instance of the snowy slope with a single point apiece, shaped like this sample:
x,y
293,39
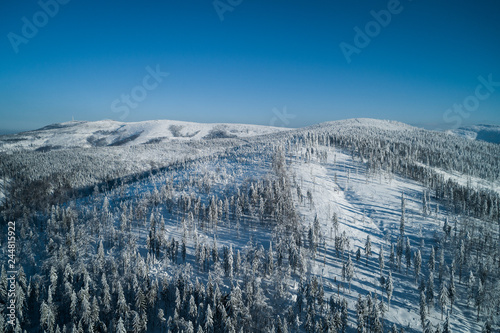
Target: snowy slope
x,y
465,180
113,133
366,206
372,207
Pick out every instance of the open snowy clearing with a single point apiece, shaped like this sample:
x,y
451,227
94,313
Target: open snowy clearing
x,y
372,206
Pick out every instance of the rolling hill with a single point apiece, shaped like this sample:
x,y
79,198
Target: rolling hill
x,y
81,134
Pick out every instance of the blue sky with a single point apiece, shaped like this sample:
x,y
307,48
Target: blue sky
x,y
248,61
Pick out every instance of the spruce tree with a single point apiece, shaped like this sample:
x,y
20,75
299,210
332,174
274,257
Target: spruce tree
x,y
389,287
430,290
403,219
349,271
392,257
408,254
368,248
432,260
443,298
423,311
120,327
229,262
452,290
417,264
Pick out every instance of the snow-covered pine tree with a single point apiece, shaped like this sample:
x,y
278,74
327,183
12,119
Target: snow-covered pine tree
x,y
470,287
402,221
430,291
417,264
368,248
431,264
120,327
270,259
443,298
389,289
349,271
392,257
452,290
335,223
408,254
423,310
442,265
399,251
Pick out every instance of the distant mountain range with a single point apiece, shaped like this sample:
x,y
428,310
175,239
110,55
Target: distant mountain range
x,y
84,134
488,133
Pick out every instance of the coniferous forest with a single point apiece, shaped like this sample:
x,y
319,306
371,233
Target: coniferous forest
x,y
351,226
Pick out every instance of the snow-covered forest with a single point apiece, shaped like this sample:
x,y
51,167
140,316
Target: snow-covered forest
x,y
351,226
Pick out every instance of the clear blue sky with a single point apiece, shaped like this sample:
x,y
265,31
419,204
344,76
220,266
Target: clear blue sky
x,y
262,55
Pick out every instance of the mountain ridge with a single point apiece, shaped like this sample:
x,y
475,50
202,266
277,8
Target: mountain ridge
x,y
480,132
87,134
84,134
109,133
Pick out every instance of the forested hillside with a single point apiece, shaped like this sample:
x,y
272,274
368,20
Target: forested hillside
x,y
352,226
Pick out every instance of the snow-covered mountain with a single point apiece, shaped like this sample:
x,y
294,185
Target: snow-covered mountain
x,y
84,134
106,133
488,133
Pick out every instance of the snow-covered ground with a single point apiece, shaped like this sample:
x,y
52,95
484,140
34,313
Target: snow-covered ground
x,y
466,180
367,205
372,206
